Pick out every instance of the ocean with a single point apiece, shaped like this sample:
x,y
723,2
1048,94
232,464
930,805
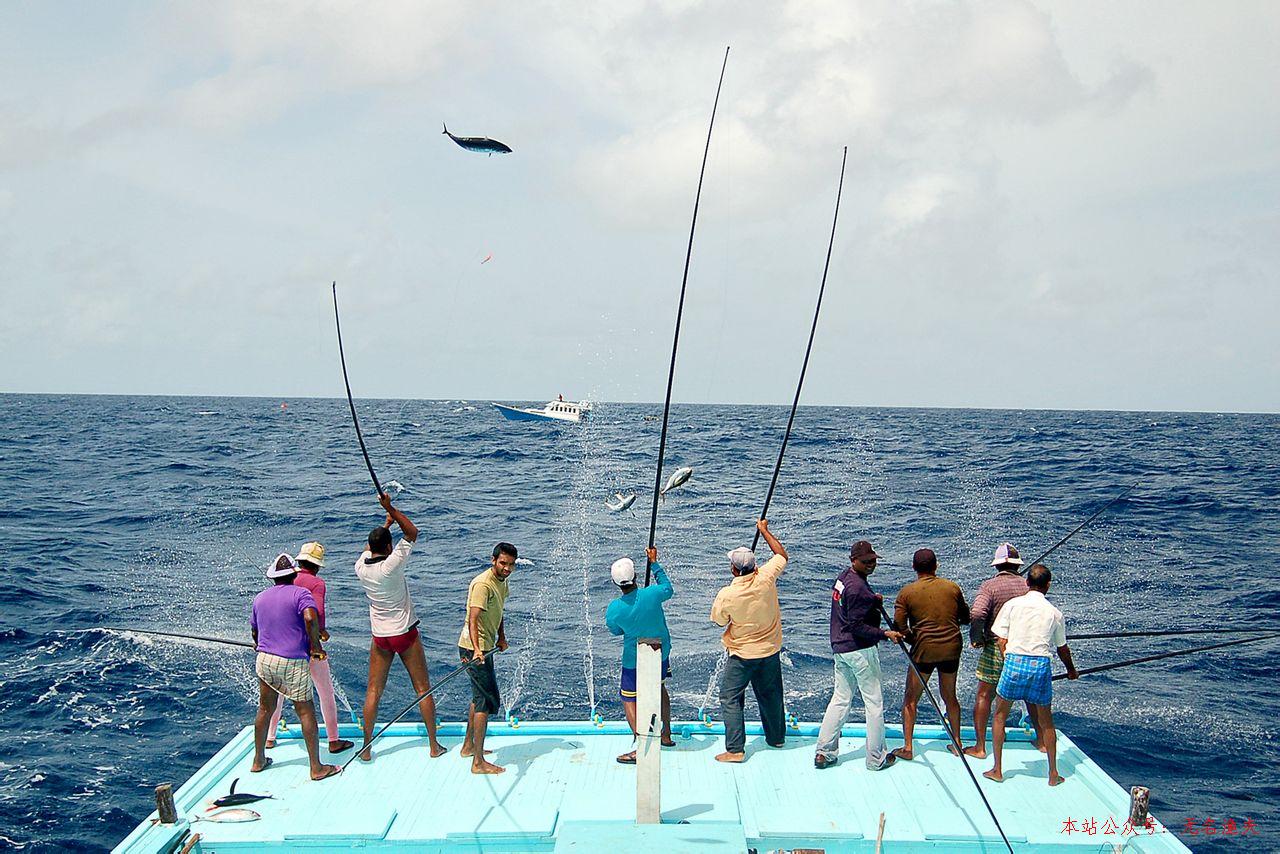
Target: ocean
x,y
162,513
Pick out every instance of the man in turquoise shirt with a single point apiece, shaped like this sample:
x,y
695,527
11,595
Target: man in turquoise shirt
x,y
635,614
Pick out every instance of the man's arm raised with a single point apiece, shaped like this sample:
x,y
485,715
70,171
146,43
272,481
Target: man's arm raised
x,y
407,528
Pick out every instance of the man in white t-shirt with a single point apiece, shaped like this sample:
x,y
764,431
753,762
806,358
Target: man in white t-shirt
x,y
1029,630
391,618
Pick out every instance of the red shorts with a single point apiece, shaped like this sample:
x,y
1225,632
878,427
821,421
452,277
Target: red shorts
x,y
397,643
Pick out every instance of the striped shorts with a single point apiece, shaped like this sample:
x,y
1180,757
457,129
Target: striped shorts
x,y
289,676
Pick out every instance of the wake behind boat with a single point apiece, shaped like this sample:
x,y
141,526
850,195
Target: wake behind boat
x,y
556,410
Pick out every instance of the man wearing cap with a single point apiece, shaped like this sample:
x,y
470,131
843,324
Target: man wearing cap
x,y
855,631
930,610
1029,629
482,633
637,613
748,609
310,561
393,623
992,595
286,634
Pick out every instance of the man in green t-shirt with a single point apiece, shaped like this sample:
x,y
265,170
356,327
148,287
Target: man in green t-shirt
x,y
482,632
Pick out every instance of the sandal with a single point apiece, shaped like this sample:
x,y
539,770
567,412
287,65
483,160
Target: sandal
x,y
627,758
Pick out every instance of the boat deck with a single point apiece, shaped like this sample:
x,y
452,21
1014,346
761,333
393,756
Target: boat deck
x,y
563,791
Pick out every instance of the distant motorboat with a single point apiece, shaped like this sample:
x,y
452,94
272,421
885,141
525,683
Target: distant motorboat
x,y
556,410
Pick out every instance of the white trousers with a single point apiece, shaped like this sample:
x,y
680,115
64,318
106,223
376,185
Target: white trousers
x,y
860,667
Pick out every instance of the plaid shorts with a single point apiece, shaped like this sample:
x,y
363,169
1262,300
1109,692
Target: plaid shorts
x,y
289,676
1027,677
990,663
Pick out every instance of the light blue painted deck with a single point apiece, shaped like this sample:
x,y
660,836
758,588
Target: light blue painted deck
x,y
563,792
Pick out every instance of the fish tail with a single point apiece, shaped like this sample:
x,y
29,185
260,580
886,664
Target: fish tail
x,y
446,127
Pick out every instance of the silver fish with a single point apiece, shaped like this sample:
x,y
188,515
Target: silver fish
x,y
231,816
621,502
678,478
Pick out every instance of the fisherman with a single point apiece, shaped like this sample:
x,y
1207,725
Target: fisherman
x,y
855,631
1029,629
1006,584
395,628
930,610
286,633
748,609
637,613
484,631
310,560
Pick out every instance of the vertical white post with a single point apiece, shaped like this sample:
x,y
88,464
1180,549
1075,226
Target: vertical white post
x,y
648,732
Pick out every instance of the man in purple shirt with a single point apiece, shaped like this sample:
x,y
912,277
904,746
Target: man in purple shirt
x,y
286,634
855,631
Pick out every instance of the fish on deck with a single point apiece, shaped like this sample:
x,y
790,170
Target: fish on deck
x,y
479,144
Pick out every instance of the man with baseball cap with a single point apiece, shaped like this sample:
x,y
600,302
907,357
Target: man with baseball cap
x,y
637,613
310,561
930,610
855,631
1006,584
286,634
748,610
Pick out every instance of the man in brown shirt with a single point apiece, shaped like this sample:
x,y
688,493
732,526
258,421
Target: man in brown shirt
x,y
930,611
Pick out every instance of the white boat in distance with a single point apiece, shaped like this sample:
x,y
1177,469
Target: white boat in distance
x,y
556,410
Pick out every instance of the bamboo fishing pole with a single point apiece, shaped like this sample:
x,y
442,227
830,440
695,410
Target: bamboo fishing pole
x,y
1158,656
1159,633
675,342
1079,528
350,400
804,366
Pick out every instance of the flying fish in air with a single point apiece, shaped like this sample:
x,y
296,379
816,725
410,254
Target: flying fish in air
x,y
479,144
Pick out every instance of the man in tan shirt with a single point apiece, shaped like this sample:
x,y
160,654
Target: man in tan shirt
x,y
748,609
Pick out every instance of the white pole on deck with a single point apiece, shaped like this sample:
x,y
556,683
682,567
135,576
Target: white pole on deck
x,y
648,731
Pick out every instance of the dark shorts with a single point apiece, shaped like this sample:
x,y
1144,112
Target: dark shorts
x,y
397,643
484,683
947,667
628,689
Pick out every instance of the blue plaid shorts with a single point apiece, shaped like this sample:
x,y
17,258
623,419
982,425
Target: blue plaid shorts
x,y
1027,677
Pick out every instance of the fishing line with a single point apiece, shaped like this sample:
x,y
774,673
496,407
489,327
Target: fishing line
x,y
675,342
1114,665
1079,528
350,400
946,725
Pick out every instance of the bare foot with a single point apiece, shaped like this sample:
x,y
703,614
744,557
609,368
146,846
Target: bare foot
x,y
994,775
366,755
262,765
483,767
976,752
1040,747
903,753
467,751
438,749
951,748
325,772
731,757
1054,781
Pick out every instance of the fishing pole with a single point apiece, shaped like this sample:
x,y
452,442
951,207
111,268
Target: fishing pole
x,y
795,403
424,695
675,342
1080,527
1161,633
226,641
1157,657
350,400
955,736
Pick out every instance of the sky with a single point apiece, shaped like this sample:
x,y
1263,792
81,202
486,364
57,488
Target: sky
x,y
1046,205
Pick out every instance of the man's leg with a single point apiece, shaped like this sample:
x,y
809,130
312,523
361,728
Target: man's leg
x,y
307,719
733,689
766,684
667,740
1049,736
379,665
266,702
273,727
828,748
947,685
486,701
465,750
415,661
866,670
322,677
997,738
910,699
981,714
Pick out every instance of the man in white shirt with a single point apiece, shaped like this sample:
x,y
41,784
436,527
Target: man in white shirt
x,y
394,626
1029,629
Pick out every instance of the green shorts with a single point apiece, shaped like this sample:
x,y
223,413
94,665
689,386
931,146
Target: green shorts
x,y
990,663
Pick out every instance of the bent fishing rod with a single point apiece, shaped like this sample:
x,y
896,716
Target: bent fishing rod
x,y
804,366
946,725
1078,529
424,695
1159,633
675,342
1157,657
337,322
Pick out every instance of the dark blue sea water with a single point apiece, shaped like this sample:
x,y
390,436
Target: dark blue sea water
x,y
160,513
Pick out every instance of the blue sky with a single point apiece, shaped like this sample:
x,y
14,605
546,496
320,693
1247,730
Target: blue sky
x,y
1047,205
